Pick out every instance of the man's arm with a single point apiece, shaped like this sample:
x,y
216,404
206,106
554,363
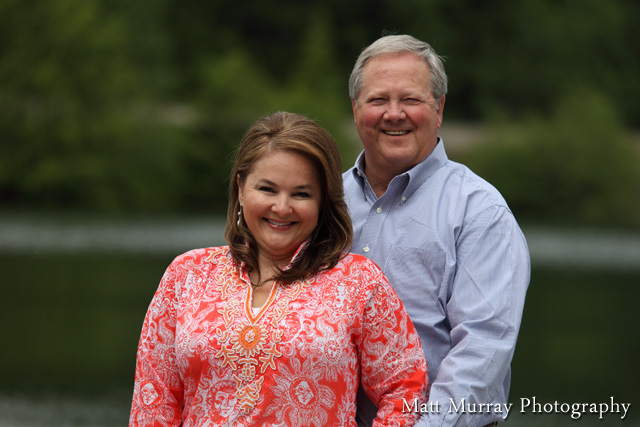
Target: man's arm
x,y
484,310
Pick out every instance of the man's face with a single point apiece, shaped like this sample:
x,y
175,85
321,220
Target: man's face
x,y
395,114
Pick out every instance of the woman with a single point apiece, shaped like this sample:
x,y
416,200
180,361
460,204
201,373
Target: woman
x,y
281,326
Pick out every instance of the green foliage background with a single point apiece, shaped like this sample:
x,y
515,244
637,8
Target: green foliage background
x,y
135,107
577,166
123,108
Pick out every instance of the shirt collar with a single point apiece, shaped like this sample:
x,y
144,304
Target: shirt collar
x,y
296,256
416,176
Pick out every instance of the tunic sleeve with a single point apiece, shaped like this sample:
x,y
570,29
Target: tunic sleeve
x,y
394,371
158,389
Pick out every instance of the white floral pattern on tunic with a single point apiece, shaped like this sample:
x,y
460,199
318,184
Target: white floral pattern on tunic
x,y
206,359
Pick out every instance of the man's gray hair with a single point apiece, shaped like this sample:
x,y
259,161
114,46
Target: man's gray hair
x,y
400,44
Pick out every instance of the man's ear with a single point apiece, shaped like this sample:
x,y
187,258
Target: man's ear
x,y
440,110
353,108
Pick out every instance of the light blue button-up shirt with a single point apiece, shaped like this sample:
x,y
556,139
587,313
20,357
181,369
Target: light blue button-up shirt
x,y
451,248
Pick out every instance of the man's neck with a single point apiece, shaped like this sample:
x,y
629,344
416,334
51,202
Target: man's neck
x,y
378,182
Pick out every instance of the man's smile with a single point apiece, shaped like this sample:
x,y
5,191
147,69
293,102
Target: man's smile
x,y
396,132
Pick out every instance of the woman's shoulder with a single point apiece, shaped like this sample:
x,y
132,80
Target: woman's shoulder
x,y
357,262
354,278
215,255
356,268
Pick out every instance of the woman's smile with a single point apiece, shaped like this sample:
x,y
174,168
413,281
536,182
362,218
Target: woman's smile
x,y
280,200
279,223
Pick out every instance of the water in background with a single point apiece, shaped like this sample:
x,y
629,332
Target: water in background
x,y
76,291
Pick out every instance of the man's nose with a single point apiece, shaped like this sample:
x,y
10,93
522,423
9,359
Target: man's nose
x,y
395,112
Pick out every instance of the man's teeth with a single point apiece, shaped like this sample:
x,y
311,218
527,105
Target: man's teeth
x,y
270,221
396,132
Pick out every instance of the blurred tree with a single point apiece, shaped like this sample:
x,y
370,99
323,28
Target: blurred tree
x,y
523,55
73,135
134,106
317,89
578,166
235,92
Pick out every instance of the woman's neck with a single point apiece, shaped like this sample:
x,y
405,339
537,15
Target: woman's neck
x,y
269,267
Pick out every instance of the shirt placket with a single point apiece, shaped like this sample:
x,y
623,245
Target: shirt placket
x,y
371,242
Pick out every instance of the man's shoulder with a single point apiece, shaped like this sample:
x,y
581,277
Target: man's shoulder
x,y
469,185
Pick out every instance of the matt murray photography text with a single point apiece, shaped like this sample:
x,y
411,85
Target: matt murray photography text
x,y
527,405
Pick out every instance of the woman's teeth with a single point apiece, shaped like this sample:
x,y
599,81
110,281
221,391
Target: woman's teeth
x,y
270,221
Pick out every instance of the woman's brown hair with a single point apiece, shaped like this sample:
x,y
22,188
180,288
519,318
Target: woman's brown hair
x,y
333,235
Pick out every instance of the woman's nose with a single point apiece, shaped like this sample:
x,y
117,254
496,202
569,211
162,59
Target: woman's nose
x,y
282,205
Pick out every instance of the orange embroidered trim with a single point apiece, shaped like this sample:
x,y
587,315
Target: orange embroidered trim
x,y
244,347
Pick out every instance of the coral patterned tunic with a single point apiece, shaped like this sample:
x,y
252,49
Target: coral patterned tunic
x,y
206,358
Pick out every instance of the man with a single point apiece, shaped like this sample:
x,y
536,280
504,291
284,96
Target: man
x,y
444,237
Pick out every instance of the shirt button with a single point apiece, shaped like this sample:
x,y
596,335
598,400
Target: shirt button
x,y
379,210
404,199
358,172
366,249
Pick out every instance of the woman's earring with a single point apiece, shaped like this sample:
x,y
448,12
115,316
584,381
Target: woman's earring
x,y
239,216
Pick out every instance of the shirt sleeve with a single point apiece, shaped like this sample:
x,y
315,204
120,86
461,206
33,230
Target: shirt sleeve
x,y
484,310
158,389
393,367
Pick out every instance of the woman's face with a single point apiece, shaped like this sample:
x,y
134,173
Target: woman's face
x,y
280,200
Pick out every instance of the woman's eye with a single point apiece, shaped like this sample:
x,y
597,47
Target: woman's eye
x,y
266,189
